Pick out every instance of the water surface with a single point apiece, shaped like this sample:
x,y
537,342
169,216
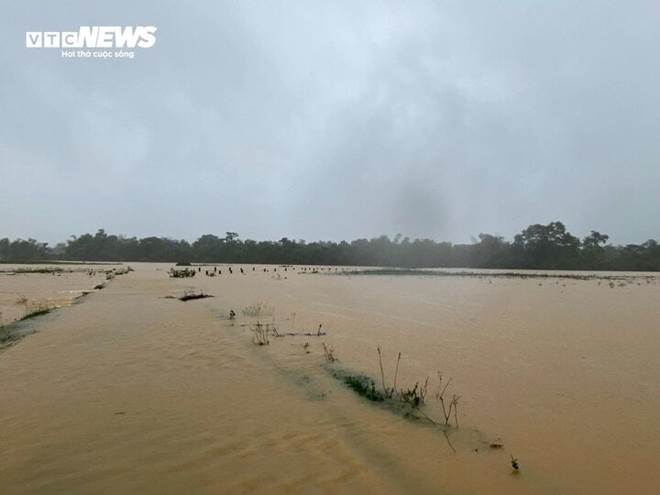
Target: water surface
x,y
131,391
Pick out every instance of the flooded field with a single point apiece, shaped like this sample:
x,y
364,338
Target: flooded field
x,y
27,291
133,390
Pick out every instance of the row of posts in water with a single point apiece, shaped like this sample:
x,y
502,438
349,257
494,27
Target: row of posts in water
x,y
217,271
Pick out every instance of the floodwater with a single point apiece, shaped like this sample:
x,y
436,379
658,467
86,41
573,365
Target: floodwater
x,y
131,391
22,291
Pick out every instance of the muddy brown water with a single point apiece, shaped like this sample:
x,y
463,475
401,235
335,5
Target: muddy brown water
x,y
132,392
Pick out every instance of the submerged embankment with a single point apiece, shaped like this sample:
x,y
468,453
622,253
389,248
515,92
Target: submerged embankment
x,y
28,292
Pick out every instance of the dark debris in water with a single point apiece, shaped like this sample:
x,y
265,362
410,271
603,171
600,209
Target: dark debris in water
x,y
191,296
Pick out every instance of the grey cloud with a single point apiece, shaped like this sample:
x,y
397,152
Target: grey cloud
x,y
335,120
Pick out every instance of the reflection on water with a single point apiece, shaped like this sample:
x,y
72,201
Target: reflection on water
x,y
135,392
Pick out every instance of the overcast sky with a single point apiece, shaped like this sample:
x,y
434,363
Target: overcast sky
x,y
335,120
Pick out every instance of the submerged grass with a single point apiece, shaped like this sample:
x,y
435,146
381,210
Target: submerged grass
x,y
362,385
36,312
34,308
365,386
10,333
16,330
407,402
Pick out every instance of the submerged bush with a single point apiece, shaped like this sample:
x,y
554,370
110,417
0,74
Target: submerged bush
x,y
407,402
185,273
360,384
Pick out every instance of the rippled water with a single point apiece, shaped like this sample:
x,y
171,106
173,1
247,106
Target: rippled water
x,y
131,391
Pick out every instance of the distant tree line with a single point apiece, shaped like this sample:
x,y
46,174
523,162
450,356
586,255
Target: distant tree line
x,y
538,246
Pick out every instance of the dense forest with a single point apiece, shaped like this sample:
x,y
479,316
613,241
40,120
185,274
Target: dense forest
x,y
538,246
